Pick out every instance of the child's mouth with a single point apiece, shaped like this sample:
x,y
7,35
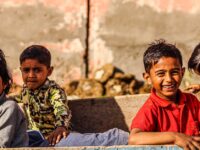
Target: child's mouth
x,y
169,87
31,82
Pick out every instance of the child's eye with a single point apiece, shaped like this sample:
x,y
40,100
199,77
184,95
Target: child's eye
x,y
175,72
36,70
161,74
26,70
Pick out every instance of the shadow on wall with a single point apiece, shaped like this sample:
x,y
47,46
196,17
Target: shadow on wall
x,y
96,115
100,114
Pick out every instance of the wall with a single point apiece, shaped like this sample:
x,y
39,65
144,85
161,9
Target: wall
x,y
119,32
57,24
122,29
101,114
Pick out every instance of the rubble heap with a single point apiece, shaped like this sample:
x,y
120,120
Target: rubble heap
x,y
107,81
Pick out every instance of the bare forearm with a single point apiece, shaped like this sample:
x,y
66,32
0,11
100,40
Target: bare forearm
x,y
152,138
138,137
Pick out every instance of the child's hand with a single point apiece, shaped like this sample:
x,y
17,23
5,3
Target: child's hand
x,y
187,142
57,135
193,88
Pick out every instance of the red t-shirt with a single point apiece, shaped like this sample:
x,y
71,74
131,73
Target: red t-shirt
x,y
159,115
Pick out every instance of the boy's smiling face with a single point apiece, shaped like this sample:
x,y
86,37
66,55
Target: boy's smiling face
x,y
165,77
34,73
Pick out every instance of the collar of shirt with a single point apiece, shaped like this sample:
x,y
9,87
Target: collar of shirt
x,y
165,103
44,86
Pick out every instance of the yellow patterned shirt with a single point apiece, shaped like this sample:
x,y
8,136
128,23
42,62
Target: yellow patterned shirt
x,y
46,108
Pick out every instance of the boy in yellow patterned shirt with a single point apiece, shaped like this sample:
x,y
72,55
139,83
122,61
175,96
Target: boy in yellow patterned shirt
x,y
46,105
45,101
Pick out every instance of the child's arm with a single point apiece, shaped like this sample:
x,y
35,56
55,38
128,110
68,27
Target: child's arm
x,y
194,88
63,115
11,123
57,135
138,137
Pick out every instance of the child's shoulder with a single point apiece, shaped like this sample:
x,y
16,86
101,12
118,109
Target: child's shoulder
x,y
10,104
149,104
10,101
190,97
55,88
54,85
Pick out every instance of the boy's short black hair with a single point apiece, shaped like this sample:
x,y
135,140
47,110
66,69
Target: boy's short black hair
x,y
159,49
4,73
37,52
194,61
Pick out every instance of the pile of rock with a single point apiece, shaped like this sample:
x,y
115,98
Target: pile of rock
x,y
107,81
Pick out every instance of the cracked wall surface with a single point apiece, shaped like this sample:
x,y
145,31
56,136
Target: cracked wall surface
x,y
58,25
124,29
119,33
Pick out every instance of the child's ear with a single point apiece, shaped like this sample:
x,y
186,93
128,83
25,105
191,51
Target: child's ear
x,y
50,70
146,77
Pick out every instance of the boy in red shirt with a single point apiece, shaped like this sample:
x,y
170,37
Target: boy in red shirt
x,y
169,116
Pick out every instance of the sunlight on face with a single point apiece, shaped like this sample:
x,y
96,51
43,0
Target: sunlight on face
x,y
166,76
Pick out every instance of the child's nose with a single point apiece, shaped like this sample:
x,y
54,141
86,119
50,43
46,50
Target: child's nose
x,y
168,77
31,74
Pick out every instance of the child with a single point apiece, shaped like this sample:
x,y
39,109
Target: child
x,y
46,104
169,116
12,121
194,65
44,101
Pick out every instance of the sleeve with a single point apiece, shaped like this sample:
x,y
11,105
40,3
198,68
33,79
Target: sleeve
x,y
61,110
198,116
22,97
145,119
19,99
8,124
193,105
196,108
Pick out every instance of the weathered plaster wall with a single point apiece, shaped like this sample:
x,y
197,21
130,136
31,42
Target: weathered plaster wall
x,y
119,31
57,24
123,30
